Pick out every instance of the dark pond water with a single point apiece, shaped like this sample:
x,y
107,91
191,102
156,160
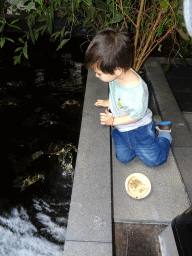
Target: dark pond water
x,y
41,104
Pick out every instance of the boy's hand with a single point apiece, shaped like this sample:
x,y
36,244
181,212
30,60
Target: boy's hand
x,y
106,118
102,103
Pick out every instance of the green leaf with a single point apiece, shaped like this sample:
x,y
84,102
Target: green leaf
x,y
29,21
42,18
117,18
50,26
21,40
17,59
164,5
32,36
13,26
1,28
77,3
51,11
30,6
25,51
9,39
56,34
160,30
183,61
90,12
112,6
3,21
14,21
42,27
62,31
64,41
166,68
2,42
36,34
89,2
18,49
38,1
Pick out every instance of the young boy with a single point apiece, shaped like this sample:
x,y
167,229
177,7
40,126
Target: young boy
x,y
110,57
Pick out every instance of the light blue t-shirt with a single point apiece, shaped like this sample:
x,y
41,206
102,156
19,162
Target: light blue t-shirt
x,y
130,101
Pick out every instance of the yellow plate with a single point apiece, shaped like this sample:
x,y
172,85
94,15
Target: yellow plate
x,y
138,185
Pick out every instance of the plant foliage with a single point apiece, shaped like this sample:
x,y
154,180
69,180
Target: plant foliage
x,y
149,21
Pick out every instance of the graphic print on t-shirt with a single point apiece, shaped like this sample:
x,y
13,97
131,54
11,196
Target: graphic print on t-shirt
x,y
119,103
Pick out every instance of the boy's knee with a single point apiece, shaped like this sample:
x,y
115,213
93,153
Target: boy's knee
x,y
124,158
150,163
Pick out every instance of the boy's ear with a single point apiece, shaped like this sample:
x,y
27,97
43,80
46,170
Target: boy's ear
x,y
118,71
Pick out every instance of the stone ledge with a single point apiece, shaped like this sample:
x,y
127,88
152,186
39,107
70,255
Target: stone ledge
x,y
89,230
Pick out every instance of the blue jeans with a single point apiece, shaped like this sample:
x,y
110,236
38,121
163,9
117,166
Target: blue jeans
x,y
143,142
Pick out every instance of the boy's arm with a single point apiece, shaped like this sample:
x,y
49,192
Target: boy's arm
x,y
102,103
124,120
107,119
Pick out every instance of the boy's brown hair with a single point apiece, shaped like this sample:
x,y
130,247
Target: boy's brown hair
x,y
110,49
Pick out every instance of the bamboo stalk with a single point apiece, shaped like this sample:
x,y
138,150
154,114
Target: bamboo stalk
x,y
149,39
158,42
138,26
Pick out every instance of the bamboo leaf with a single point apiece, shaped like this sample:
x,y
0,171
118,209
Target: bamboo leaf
x,y
62,31
13,26
36,34
2,42
32,36
56,34
42,27
14,21
25,51
18,49
50,26
9,39
21,40
64,41
29,21
17,59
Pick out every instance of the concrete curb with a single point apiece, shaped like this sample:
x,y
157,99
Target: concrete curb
x,y
89,229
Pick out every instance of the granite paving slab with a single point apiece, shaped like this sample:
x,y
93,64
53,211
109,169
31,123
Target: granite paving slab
x,y
184,161
166,200
89,230
87,249
188,118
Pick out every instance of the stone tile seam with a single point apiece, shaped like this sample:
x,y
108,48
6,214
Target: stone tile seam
x,y
153,222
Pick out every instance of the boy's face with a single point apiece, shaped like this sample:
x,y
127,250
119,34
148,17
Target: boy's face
x,y
105,77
